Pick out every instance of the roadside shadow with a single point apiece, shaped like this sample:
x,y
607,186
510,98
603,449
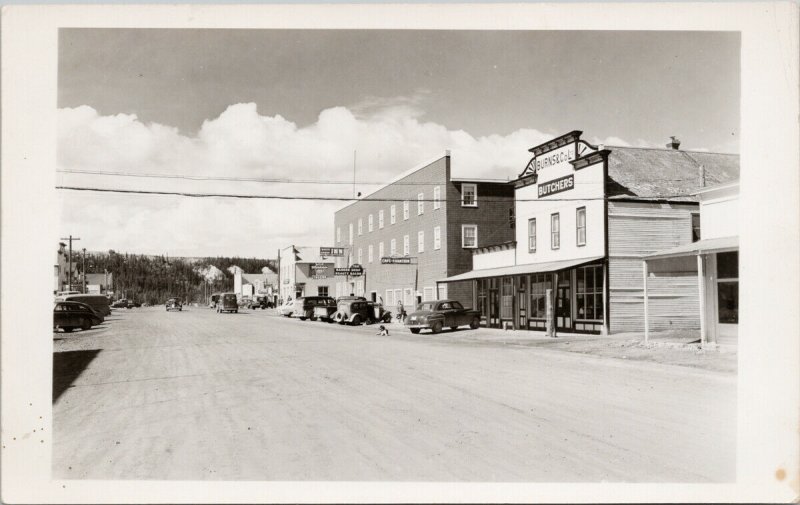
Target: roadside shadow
x,y
68,366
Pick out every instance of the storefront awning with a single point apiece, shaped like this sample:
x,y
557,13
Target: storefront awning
x,y
530,268
711,245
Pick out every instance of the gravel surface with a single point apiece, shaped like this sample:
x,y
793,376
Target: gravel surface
x,y
253,396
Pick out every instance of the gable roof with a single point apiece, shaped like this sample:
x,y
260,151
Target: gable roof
x,y
666,174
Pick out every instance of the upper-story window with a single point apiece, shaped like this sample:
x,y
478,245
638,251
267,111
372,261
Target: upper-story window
x,y
469,236
369,253
532,235
580,226
370,224
405,210
360,226
351,233
420,241
420,203
338,234
695,226
437,198
380,219
380,250
393,214
555,231
437,238
393,247
360,257
406,245
469,195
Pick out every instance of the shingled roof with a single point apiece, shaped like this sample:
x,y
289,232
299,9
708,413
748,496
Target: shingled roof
x,y
666,174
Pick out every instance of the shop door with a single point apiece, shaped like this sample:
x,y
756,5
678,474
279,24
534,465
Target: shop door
x,y
494,308
563,306
522,313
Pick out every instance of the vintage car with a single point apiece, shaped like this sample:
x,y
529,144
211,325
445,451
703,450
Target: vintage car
x,y
437,314
287,308
227,303
260,302
212,303
325,309
174,304
357,311
304,306
71,315
98,303
122,303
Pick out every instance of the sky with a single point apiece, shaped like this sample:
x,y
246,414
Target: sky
x,y
296,104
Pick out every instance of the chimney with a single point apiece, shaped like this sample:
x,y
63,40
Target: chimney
x,y
675,143
702,176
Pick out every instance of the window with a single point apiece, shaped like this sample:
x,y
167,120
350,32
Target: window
x,y
437,238
695,226
437,198
469,236
393,247
442,294
427,294
406,245
360,226
421,241
539,286
420,204
728,287
370,224
580,226
351,233
393,214
589,292
360,257
380,250
555,231
469,195
322,290
369,253
380,219
532,235
338,234
405,210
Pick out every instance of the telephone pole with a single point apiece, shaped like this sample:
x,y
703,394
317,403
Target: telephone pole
x,y
69,259
83,281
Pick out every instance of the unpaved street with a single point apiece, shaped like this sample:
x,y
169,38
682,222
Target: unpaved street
x,y
253,396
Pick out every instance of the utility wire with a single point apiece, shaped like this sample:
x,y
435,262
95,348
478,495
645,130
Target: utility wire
x,y
333,198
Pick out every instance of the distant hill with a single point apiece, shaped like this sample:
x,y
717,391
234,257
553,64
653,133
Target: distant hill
x,y
154,278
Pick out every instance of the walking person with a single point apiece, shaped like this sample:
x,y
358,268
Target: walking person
x,y
401,313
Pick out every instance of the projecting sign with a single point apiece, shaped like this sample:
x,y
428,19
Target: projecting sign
x,y
388,260
320,271
556,185
352,271
331,251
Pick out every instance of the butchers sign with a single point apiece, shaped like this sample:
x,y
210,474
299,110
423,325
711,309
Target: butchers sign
x,y
556,185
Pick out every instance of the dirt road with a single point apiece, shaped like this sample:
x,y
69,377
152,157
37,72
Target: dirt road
x,y
253,396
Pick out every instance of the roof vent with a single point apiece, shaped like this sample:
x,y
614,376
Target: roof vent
x,y
675,143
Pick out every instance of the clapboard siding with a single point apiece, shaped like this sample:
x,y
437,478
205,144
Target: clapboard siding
x,y
636,229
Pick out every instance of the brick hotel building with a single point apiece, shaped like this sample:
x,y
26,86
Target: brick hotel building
x,y
429,217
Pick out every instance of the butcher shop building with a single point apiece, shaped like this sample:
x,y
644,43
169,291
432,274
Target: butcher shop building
x,y
586,216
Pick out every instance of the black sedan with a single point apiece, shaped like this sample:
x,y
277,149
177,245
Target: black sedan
x,y
438,314
174,304
71,315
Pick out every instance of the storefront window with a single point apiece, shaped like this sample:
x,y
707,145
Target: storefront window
x,y
728,287
539,286
507,301
589,292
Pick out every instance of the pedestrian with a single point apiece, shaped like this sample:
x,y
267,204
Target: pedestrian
x,y
401,313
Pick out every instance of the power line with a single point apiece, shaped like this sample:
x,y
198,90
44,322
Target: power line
x,y
333,198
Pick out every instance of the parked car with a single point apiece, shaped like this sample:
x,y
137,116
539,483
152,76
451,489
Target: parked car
x,y
438,314
227,303
260,302
132,304
98,303
213,300
122,303
287,308
174,304
325,309
71,315
357,311
304,306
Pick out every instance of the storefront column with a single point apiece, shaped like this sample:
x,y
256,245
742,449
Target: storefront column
x,y
605,330
646,313
702,286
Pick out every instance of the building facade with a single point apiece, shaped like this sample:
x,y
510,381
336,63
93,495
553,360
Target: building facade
x,y
419,228
586,217
303,272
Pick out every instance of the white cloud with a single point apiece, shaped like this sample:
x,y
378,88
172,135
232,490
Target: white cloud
x,y
388,134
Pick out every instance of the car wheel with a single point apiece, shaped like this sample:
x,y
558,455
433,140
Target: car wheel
x,y
329,320
475,323
414,330
387,318
436,327
86,324
356,320
67,329
453,328
302,318
236,311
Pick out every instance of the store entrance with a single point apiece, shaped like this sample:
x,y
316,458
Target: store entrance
x,y
563,306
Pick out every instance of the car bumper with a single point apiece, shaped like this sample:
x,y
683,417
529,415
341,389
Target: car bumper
x,y
417,325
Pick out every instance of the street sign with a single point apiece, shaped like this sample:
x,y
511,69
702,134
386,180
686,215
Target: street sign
x,y
331,251
352,271
402,260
